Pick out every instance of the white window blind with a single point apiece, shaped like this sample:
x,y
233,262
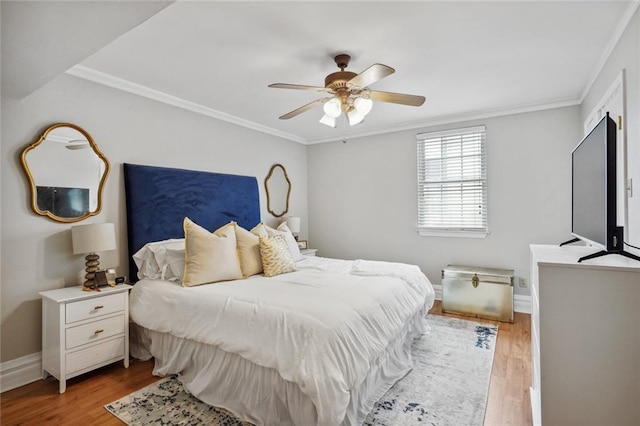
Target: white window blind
x,y
452,182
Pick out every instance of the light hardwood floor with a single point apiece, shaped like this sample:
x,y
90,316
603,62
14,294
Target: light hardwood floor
x,y
40,403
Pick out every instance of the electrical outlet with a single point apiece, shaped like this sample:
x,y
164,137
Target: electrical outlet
x,y
522,282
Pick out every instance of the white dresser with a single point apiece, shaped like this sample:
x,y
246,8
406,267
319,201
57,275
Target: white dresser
x,y
83,330
585,338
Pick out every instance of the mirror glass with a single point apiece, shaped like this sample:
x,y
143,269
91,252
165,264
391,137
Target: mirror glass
x,y
66,172
278,187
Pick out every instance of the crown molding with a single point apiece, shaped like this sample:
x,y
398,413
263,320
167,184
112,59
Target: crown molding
x,y
105,79
613,42
92,75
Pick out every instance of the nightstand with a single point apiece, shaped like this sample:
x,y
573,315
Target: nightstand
x,y
83,330
308,252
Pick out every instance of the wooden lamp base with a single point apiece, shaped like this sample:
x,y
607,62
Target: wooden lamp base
x,y
92,265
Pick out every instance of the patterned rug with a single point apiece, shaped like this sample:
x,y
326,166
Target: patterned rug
x,y
448,385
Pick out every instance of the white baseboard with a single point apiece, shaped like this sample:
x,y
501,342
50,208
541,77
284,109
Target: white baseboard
x,y
438,291
20,371
521,302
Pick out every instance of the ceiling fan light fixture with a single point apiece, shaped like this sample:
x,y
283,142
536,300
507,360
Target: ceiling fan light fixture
x,y
328,121
363,105
355,117
333,108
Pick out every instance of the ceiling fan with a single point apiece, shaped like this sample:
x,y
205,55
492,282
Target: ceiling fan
x,y
351,93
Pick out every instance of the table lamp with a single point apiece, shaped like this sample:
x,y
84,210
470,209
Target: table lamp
x,y
293,223
90,239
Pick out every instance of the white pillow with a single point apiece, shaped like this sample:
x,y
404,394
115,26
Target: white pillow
x,y
263,230
284,230
161,260
209,257
174,261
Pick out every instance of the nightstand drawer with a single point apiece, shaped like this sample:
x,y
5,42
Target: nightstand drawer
x,y
94,355
97,330
94,307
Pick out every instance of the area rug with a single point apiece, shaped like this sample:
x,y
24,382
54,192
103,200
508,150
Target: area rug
x,y
448,385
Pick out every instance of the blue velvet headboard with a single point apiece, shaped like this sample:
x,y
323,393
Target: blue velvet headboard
x,y
159,198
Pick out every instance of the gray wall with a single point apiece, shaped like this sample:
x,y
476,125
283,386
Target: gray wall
x,y
626,55
363,193
36,252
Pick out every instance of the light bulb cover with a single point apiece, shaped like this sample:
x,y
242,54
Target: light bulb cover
x,y
363,105
328,121
333,108
355,117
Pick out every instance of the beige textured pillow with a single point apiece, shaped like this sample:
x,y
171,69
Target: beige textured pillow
x,y
248,245
209,257
276,258
260,230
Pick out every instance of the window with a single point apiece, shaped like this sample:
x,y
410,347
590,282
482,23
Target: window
x,y
452,183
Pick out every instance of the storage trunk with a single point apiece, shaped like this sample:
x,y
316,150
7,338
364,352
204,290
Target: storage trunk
x,y
478,292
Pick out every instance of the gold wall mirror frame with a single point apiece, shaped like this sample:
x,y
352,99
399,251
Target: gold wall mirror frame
x,y
278,188
66,173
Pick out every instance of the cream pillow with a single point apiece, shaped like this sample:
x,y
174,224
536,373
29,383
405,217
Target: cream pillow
x,y
209,257
260,230
248,246
276,258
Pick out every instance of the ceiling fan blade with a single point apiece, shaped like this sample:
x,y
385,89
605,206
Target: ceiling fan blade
x,y
296,86
396,98
372,74
304,108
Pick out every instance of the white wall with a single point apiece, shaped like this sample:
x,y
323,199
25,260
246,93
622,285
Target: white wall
x,y
626,55
362,195
36,252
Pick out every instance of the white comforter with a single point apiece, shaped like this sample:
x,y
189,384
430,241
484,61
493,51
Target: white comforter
x,y
319,327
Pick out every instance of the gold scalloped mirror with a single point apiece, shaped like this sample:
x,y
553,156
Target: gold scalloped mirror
x,y
66,173
278,188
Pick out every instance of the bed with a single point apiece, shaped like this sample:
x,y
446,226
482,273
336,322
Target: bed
x,y
316,346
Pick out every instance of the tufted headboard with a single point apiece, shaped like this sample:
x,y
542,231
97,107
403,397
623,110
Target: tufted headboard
x,y
159,198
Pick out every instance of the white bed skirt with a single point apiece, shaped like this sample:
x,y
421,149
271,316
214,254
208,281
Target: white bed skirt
x,y
260,395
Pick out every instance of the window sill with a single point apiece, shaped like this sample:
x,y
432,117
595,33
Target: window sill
x,y
453,234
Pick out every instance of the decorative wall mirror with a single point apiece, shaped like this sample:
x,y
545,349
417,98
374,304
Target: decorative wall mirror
x,y
66,173
278,187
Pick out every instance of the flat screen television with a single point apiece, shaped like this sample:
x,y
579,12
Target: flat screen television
x,y
593,191
63,202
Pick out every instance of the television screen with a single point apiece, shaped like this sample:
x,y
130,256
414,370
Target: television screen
x,y
63,202
593,186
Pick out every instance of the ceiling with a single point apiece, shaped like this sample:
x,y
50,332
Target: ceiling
x,y
470,59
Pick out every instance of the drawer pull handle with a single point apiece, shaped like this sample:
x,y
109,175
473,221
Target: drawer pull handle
x,y
98,307
98,331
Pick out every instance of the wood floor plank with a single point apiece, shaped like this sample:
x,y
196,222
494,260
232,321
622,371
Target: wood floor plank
x,y
39,403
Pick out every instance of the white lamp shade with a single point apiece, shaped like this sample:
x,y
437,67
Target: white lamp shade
x,y
93,238
355,117
333,108
328,121
293,223
363,105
